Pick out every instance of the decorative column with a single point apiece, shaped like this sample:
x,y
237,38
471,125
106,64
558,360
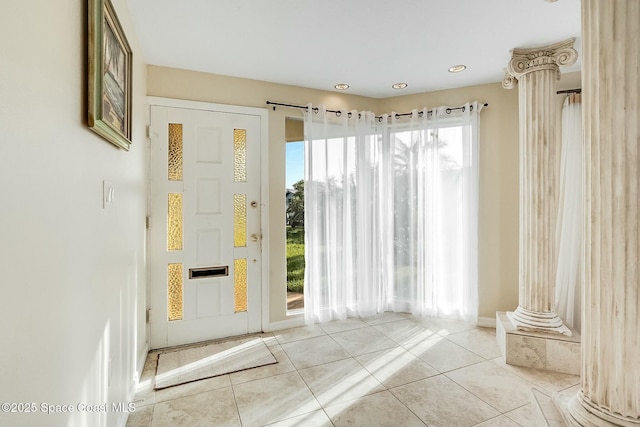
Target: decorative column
x,y
536,70
610,393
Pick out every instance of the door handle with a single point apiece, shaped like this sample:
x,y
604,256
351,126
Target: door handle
x,y
255,237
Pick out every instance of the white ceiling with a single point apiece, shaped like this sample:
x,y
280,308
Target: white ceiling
x,y
369,44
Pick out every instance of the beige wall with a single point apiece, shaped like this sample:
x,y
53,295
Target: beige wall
x,y
498,209
294,130
73,275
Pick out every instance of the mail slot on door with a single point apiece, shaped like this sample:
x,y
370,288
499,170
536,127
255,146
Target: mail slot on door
x,y
207,272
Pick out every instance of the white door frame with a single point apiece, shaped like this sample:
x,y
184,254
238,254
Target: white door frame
x,y
264,185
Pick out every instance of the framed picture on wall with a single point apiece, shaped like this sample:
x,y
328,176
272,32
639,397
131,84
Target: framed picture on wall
x,y
110,62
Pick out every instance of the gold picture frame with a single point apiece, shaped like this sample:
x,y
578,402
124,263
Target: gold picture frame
x,y
110,74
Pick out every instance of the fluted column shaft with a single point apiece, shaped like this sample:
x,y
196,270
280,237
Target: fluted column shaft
x,y
610,392
537,70
537,191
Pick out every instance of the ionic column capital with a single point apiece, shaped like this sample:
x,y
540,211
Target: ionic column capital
x,y
527,60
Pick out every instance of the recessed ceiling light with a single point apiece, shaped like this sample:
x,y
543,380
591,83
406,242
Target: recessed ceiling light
x,y
399,85
457,68
342,86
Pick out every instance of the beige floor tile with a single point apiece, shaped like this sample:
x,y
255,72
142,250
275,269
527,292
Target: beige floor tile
x,y
549,381
376,410
363,340
499,388
561,403
406,331
141,417
210,360
501,421
192,388
438,401
312,419
407,315
545,409
387,316
481,341
523,416
393,351
571,391
211,408
396,366
273,399
343,325
339,381
442,354
284,365
314,351
445,327
300,333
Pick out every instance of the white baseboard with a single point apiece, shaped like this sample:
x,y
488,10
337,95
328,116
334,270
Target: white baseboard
x,y
486,322
142,358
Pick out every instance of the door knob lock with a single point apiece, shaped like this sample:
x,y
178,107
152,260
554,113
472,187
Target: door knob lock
x,y
254,204
255,237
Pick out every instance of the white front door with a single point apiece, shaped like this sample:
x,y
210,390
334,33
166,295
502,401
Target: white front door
x,y
205,234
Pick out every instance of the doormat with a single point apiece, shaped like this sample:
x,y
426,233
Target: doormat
x,y
211,360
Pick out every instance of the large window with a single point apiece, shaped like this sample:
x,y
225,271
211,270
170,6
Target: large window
x,y
294,190
391,221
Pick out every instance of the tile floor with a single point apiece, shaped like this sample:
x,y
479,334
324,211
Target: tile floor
x,y
389,370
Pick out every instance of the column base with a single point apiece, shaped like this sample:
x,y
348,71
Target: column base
x,y
550,351
576,412
532,321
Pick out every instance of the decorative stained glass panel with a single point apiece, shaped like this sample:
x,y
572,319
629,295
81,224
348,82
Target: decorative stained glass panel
x,y
240,220
174,286
240,284
174,222
175,152
240,155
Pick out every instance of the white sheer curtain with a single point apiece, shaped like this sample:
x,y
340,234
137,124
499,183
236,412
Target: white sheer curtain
x,y
391,213
570,215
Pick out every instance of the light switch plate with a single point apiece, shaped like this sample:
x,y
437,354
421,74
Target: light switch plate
x,y
107,193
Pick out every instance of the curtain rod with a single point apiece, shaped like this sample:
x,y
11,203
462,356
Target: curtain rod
x,y
569,91
338,112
